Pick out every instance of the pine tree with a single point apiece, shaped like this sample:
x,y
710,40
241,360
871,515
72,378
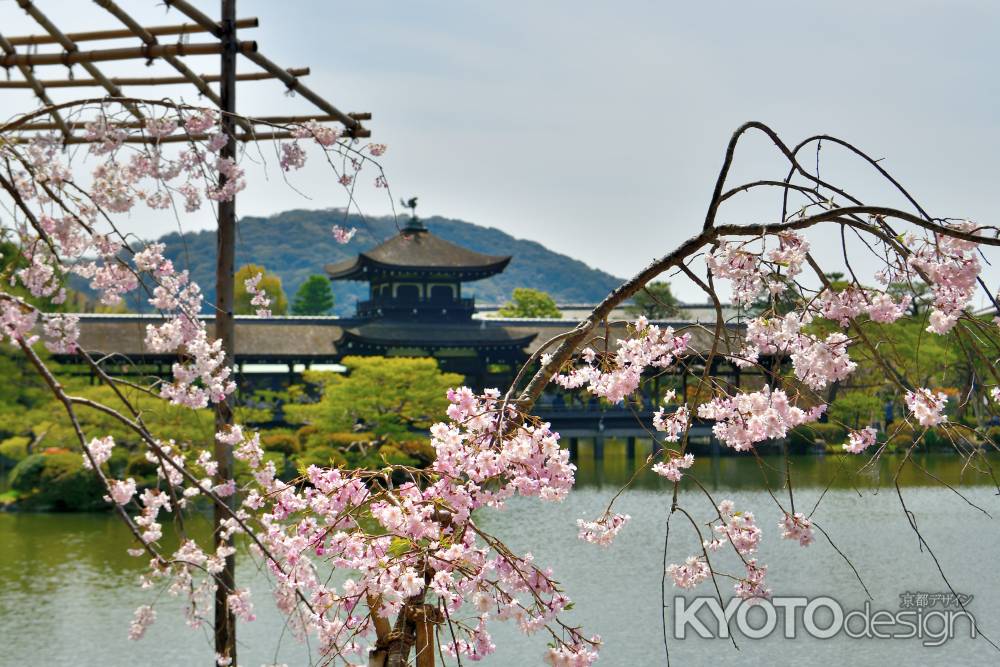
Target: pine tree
x,y
314,297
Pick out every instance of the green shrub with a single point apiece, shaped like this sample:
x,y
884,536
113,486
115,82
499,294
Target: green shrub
x,y
284,443
58,481
418,449
27,474
139,466
899,442
394,455
303,433
13,450
324,457
803,438
336,440
936,438
993,433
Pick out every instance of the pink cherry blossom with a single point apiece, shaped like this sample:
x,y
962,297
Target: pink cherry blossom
x,y
121,492
260,298
748,418
694,571
342,235
144,617
671,468
603,531
100,451
797,527
927,406
859,441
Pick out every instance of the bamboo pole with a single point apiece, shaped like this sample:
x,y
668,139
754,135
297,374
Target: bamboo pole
x,y
71,48
102,55
100,35
151,80
259,120
293,83
150,40
225,328
38,88
179,138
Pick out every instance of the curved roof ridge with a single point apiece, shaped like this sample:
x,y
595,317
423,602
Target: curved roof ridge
x,y
421,250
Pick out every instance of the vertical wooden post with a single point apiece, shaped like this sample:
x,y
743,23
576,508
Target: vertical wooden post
x,y
630,448
599,448
225,621
425,640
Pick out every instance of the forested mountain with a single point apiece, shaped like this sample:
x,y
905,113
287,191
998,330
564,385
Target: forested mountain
x,y
297,244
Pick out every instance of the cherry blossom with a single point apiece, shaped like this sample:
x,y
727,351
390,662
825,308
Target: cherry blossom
x,y
694,571
671,468
618,376
859,441
748,418
342,235
674,423
797,527
121,492
603,531
144,617
260,298
100,451
61,332
927,406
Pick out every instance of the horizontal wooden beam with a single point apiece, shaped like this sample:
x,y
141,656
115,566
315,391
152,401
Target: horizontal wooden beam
x,y
141,52
147,80
259,120
96,35
291,82
242,137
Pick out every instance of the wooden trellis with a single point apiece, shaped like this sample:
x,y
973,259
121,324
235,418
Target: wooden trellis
x,y
21,54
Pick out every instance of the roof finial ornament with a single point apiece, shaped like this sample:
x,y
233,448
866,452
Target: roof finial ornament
x,y
414,224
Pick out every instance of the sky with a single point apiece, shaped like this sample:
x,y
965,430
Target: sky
x,y
598,128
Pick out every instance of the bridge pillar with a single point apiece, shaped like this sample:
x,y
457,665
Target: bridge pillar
x,y
598,447
630,448
574,449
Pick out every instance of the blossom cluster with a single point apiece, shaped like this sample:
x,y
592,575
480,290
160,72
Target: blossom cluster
x,y
426,547
744,419
260,299
618,375
859,441
748,270
816,362
673,423
952,268
926,406
740,531
797,527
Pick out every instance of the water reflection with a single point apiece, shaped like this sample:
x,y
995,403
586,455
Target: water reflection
x,y
746,471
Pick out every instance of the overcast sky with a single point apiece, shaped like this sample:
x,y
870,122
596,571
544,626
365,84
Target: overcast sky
x,y
597,128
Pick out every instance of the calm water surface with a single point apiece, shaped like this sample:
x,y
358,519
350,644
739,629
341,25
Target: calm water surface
x,y
68,588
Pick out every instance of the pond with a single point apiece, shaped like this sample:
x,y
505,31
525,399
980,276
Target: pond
x,y
69,589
